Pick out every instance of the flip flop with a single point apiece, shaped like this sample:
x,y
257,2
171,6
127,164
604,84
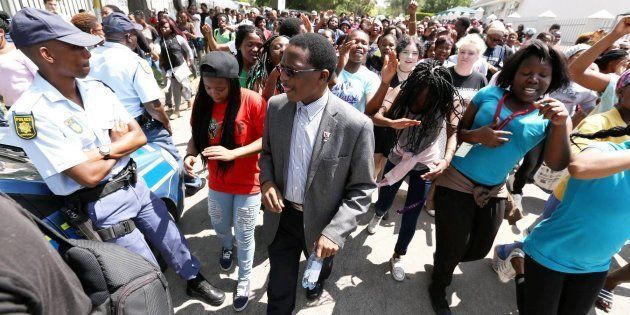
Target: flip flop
x,y
604,300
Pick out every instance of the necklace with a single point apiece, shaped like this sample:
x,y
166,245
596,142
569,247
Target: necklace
x,y
401,70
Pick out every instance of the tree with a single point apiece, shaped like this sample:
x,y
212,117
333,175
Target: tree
x,y
435,6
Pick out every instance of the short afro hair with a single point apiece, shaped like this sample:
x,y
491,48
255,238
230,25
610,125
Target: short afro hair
x,y
559,71
5,25
84,21
321,54
290,27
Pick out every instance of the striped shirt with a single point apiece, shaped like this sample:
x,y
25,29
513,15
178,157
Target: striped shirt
x,y
305,126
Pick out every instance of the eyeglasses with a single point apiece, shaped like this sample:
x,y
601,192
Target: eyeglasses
x,y
291,72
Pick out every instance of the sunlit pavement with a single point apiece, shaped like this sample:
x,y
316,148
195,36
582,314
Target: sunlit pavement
x,y
361,282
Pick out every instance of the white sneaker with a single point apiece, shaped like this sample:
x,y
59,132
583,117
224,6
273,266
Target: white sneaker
x,y
518,200
398,273
376,220
431,212
504,268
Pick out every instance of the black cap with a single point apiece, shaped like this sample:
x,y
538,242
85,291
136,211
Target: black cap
x,y
33,26
119,23
219,64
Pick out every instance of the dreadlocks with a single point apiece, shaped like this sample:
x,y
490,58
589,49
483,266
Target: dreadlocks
x,y
259,73
438,106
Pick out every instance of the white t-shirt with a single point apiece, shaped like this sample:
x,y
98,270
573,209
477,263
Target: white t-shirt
x,y
354,88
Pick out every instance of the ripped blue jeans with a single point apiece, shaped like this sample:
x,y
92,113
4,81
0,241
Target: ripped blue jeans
x,y
238,211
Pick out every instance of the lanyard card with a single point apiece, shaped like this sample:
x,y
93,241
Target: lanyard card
x,y
463,149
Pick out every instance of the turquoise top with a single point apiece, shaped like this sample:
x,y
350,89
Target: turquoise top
x,y
590,225
491,166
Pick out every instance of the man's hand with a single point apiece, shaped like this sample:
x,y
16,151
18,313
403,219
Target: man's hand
x,y
390,65
218,152
272,198
328,14
168,127
307,23
118,131
325,248
189,164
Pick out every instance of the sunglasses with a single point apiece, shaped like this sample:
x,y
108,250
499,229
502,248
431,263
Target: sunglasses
x,y
291,72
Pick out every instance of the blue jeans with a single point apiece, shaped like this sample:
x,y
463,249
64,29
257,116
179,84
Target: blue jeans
x,y
238,211
416,196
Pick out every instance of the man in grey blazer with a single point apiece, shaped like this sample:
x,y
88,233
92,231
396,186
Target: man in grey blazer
x,y
316,168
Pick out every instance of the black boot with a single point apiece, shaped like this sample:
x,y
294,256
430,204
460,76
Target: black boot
x,y
316,293
200,288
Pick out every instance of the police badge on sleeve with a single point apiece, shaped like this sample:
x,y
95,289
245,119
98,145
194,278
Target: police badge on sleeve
x,y
25,126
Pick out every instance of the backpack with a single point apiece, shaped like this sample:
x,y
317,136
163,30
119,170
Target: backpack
x,y
116,280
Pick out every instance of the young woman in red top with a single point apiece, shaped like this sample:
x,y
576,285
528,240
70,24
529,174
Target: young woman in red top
x,y
227,129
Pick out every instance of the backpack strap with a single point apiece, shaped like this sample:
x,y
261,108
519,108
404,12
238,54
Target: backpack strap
x,y
47,230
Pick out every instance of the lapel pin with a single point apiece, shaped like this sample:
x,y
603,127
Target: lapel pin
x,y
326,136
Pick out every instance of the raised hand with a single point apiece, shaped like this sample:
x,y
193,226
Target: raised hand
x,y
553,110
390,65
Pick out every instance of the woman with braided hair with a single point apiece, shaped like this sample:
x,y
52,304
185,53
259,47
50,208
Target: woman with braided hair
x,y
423,111
500,125
609,127
263,77
560,277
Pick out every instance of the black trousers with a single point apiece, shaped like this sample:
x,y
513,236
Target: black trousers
x,y
463,231
531,163
551,292
284,258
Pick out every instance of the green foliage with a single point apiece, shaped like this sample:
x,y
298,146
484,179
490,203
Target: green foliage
x,y
421,15
435,6
358,7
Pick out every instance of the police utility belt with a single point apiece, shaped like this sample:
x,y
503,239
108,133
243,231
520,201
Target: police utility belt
x,y
147,122
76,206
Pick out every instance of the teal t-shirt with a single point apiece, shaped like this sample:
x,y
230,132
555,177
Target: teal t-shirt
x,y
590,225
354,88
491,166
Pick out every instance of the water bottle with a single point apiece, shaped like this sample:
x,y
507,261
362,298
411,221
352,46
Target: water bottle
x,y
311,274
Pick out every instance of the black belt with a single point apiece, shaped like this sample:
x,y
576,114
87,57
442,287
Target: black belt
x,y
76,204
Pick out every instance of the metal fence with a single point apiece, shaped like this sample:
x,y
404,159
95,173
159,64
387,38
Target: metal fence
x,y
570,28
66,7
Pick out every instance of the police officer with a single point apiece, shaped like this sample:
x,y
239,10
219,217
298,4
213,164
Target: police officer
x,y
79,137
130,77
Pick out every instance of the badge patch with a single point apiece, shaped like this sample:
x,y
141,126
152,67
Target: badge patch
x,y
74,125
25,126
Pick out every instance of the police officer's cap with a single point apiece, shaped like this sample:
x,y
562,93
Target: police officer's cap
x,y
219,64
119,23
33,26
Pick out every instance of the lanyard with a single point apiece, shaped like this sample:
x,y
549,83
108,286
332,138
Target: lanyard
x,y
509,119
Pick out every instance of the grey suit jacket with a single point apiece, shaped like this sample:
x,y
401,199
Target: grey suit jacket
x,y
339,185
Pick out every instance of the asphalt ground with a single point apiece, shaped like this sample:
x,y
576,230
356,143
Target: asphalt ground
x,y
361,282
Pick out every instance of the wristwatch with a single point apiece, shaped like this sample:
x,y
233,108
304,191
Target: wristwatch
x,y
104,151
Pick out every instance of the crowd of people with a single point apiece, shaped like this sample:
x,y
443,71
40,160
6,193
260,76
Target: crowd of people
x,y
307,115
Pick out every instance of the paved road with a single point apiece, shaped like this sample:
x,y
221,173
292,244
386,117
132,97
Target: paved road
x,y
361,282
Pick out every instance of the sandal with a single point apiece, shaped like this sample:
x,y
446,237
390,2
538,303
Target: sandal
x,y
604,300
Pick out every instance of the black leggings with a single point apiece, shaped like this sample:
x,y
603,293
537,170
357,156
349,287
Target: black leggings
x,y
531,163
463,231
546,291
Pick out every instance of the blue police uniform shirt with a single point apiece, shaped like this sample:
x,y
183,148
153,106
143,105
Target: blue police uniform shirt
x,y
65,130
589,226
491,166
128,75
